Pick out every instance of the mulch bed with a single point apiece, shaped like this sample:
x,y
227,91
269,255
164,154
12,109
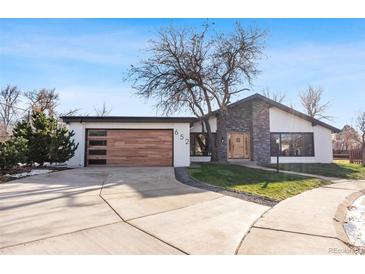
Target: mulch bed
x,y
182,175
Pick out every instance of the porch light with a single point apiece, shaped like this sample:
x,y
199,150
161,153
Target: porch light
x,y
222,140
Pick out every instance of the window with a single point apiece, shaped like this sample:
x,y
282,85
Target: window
x,y
97,142
97,132
199,144
292,144
97,162
97,152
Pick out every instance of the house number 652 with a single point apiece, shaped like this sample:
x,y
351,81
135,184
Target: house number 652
x,y
182,137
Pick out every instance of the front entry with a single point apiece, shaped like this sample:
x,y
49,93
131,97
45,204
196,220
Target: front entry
x,y
238,145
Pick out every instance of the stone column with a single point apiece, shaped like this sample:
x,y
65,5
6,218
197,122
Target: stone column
x,y
261,132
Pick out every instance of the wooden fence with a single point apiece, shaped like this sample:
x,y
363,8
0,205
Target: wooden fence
x,y
341,154
356,156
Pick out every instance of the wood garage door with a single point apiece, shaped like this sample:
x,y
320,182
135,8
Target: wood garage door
x,y
129,147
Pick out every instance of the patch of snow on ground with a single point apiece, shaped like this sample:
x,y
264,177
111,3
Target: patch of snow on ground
x,y
355,222
30,173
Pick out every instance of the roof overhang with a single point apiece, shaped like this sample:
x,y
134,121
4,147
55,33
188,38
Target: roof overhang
x,y
126,119
282,107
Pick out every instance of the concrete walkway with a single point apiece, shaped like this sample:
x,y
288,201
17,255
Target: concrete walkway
x,y
304,224
119,211
252,164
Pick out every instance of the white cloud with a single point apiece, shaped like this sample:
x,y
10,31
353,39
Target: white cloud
x,y
315,63
338,68
116,48
121,100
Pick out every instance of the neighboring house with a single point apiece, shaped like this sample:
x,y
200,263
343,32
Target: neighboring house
x,y
254,125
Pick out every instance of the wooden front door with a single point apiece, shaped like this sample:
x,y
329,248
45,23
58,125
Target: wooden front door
x,y
239,145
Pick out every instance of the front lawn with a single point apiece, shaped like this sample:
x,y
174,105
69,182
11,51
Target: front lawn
x,y
275,186
338,169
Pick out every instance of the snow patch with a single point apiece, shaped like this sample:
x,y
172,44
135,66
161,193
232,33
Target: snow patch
x,y
29,173
355,222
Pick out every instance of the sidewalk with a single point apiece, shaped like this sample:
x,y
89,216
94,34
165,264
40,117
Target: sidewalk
x,y
252,164
309,223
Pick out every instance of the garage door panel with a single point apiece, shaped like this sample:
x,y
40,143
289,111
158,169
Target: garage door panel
x,y
134,154
145,144
146,147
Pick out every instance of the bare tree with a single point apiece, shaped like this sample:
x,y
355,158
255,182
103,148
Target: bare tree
x,y
43,100
348,138
71,112
103,111
276,96
311,101
9,98
199,70
361,127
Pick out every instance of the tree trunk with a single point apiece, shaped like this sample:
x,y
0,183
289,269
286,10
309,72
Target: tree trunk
x,y
222,137
217,146
211,140
363,150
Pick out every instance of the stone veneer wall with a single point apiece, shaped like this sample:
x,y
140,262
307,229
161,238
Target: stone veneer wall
x,y
240,119
252,117
261,132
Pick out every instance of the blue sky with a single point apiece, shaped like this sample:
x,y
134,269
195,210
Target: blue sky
x,y
86,60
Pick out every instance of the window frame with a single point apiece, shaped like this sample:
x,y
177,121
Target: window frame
x,y
104,143
97,152
280,148
91,133
192,142
100,162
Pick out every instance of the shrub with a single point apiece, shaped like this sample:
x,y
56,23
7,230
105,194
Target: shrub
x,y
47,141
12,152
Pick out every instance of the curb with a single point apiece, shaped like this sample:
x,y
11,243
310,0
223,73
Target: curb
x,y
340,216
182,175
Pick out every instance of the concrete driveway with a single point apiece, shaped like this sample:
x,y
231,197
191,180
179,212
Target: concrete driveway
x,y
119,211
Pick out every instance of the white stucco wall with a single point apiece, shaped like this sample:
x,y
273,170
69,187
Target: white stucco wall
x,y
197,126
281,121
181,138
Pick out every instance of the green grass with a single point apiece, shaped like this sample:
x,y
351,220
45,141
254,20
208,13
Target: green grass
x,y
276,186
338,169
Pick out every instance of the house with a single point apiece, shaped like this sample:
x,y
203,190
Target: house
x,y
255,128
256,123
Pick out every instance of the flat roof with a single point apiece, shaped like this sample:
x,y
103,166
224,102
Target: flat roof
x,y
127,119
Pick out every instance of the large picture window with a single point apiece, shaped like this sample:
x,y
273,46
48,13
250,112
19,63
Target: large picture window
x,y
199,144
293,144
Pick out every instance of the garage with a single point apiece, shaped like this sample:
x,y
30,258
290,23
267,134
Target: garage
x,y
130,147
131,141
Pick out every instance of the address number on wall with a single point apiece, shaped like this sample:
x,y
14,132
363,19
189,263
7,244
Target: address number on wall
x,y
182,137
